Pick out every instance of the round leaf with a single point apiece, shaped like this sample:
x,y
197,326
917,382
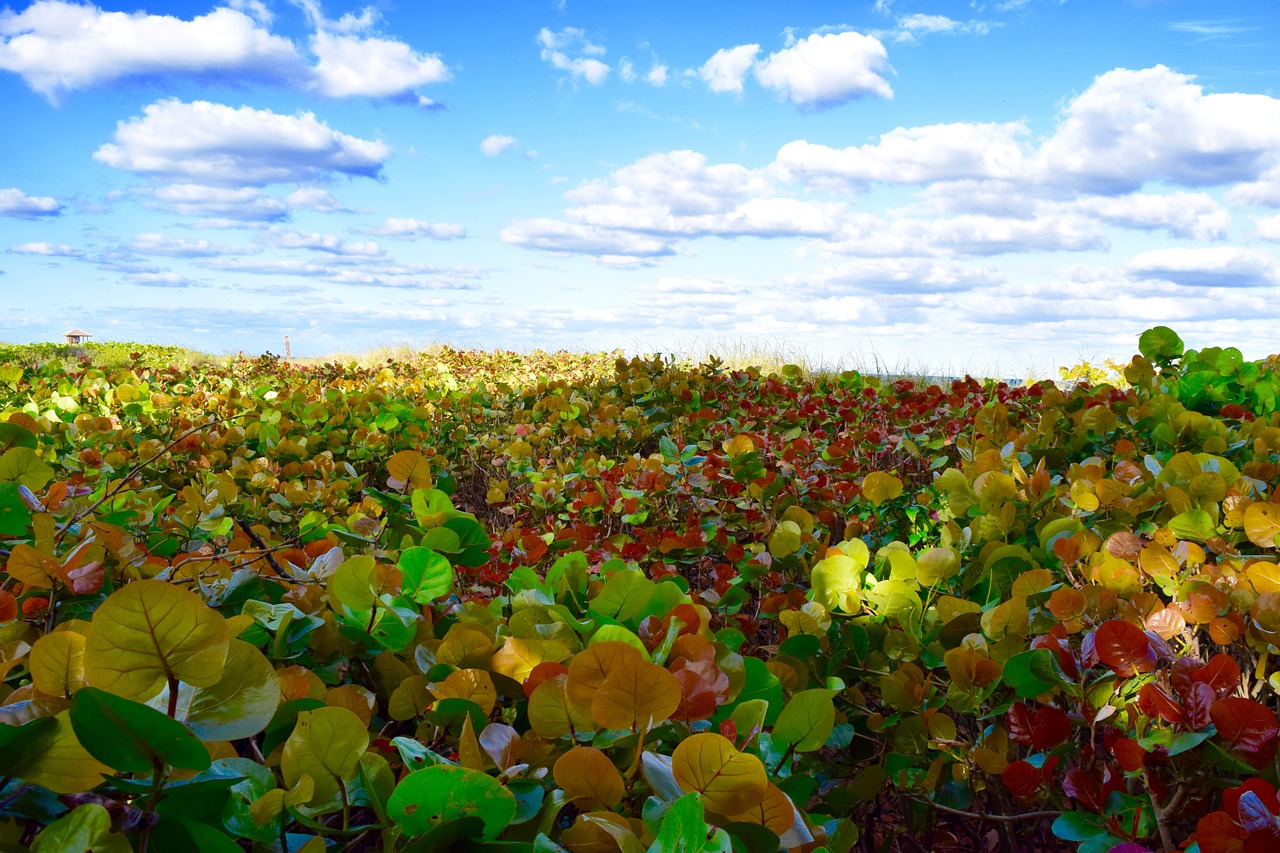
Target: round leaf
x,y
149,631
589,778
242,702
435,795
730,781
636,696
326,745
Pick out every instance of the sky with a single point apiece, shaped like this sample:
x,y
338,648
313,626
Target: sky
x,y
995,187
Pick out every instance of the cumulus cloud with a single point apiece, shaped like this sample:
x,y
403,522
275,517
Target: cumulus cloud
x,y
1268,227
406,228
48,250
59,47
827,69
14,202
317,199
376,67
177,247
1132,127
288,238
1222,266
608,245
237,205
160,279
916,155
727,67
220,145
570,51
495,144
1192,215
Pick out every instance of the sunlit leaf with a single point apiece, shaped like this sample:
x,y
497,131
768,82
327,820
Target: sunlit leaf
x,y
731,782
149,631
435,795
326,744
636,696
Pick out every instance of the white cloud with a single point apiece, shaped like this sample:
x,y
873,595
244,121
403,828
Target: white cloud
x,y
929,23
557,45
608,245
160,279
245,204
14,202
177,247
657,75
495,144
1192,215
825,70
58,46
917,155
405,228
48,250
1223,266
375,67
725,70
317,199
217,144
287,238
1268,227
627,70
1132,127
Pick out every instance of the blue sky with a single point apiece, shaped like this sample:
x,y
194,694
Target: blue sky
x,y
999,186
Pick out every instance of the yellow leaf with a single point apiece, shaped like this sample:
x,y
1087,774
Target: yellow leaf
x,y
738,445
326,745
33,568
57,663
600,832
272,804
785,539
935,565
410,699
466,645
636,696
879,487
472,684
64,766
589,778
408,468
149,631
356,699
1265,577
1261,524
590,667
469,754
552,714
730,782
517,657
775,812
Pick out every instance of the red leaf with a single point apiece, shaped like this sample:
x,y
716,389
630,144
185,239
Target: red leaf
x,y
1246,726
1052,727
1020,720
1129,753
1023,779
1084,788
1154,702
1218,833
1199,699
1124,647
1261,787
1221,673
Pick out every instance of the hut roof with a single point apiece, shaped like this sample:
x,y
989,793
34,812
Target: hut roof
x,y
78,333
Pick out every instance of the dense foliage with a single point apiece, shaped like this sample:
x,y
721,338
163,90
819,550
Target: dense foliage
x,y
485,601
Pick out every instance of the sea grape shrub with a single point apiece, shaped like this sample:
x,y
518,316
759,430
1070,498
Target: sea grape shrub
x,y
444,597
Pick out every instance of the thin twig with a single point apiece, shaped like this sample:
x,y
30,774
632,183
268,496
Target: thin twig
x,y
1000,818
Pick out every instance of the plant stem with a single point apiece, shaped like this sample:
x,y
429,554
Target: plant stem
x,y
173,697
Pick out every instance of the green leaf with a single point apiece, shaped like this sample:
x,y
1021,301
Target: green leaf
x,y
684,827
1030,673
130,736
1160,344
86,827
1194,524
13,435
20,743
24,466
242,703
15,515
624,596
1077,826
426,575
436,795
807,721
